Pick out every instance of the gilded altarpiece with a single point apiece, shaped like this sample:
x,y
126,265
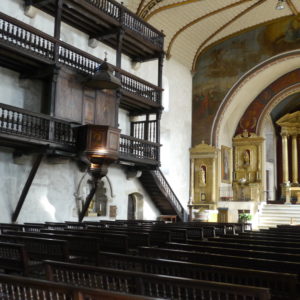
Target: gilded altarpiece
x,y
247,184
203,177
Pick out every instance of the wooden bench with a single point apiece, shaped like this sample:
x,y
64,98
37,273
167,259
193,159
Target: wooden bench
x,y
236,245
222,260
40,248
236,252
258,241
150,285
83,248
24,288
14,258
282,285
105,242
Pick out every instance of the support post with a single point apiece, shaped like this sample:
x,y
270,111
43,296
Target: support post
x,y
97,171
88,200
57,26
27,187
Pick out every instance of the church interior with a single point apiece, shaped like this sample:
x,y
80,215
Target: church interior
x,y
149,149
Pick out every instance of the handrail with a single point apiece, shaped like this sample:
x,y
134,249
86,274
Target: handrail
x,y
29,124
170,193
137,148
29,39
129,20
22,122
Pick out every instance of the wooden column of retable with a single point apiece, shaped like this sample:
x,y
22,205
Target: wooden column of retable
x,y
285,159
295,158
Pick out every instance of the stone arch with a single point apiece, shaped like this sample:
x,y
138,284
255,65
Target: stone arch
x,y
276,75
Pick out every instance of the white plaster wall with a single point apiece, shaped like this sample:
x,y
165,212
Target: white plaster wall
x,y
51,197
176,129
23,93
41,20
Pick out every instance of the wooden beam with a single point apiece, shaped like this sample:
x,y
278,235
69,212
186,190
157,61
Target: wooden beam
x,y
88,200
39,3
27,186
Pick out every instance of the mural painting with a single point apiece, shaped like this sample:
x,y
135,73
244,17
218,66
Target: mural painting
x,y
222,65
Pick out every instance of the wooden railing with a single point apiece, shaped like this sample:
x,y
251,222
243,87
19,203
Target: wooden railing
x,y
129,20
137,148
28,124
20,122
162,181
145,130
42,46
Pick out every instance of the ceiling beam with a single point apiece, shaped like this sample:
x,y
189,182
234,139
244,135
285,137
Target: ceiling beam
x,y
222,28
292,7
198,20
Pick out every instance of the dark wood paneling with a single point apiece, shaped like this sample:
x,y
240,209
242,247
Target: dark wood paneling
x,y
68,96
106,108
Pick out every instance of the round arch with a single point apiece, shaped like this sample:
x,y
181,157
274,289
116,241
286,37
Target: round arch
x,y
268,82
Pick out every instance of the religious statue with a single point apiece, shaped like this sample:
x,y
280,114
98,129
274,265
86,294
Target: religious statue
x,y
202,175
246,158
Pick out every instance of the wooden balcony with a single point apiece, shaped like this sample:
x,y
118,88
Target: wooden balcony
x,y
102,19
26,49
139,152
25,130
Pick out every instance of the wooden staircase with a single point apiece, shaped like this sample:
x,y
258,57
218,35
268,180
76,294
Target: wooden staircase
x,y
273,214
162,194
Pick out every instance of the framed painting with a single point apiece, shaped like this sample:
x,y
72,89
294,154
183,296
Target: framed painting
x,y
225,164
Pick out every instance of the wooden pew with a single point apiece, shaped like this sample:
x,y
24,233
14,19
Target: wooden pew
x,y
282,285
222,260
82,248
236,245
105,242
40,248
150,285
257,241
21,288
236,252
14,258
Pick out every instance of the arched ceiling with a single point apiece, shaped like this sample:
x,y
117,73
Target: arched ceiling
x,y
191,26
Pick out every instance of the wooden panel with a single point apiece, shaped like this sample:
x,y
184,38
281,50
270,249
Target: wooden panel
x,y
106,108
88,110
68,96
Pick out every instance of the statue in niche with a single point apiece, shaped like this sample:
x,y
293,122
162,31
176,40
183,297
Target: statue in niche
x,y
98,206
246,158
202,176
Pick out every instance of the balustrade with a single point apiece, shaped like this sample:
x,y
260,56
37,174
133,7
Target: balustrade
x,y
137,148
145,130
171,195
129,20
20,122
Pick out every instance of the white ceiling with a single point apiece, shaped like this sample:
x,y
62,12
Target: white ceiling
x,y
191,26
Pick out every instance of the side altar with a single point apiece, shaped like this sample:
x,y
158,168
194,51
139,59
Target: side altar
x,y
203,179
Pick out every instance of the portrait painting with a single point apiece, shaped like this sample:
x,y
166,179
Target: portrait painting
x,y
225,164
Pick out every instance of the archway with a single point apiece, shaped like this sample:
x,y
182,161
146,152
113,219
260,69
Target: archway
x,y
135,207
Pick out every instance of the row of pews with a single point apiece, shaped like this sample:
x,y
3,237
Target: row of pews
x,y
148,260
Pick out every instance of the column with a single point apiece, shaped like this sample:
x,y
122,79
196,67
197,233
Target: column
x,y
192,185
295,158
285,161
